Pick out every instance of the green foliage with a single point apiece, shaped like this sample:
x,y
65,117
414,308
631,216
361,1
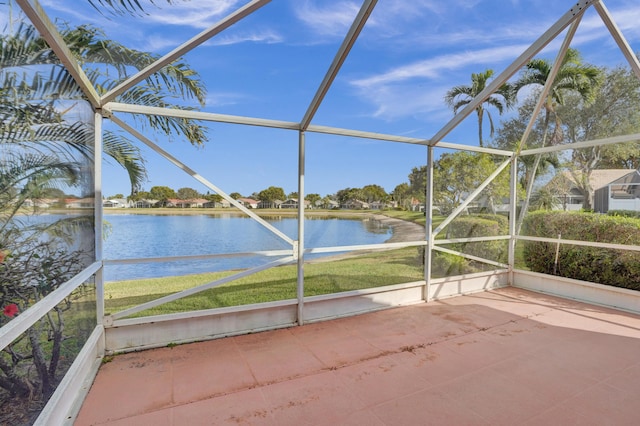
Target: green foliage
x,y
272,194
162,193
457,175
447,265
373,193
187,194
620,268
624,213
480,226
321,277
459,96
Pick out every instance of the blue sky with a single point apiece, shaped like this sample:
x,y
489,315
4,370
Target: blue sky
x,y
271,64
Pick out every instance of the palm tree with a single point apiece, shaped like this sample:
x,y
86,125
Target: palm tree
x,y
459,96
39,97
45,143
572,76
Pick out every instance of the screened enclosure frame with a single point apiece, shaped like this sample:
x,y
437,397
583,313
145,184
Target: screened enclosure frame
x,y
106,108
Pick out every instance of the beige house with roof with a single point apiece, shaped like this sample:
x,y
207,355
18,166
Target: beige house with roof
x,y
611,189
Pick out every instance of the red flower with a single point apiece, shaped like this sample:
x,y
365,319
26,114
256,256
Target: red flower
x,y
11,310
3,256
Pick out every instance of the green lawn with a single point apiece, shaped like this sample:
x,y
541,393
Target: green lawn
x,y
366,271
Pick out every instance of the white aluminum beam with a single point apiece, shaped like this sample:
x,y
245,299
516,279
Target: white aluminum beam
x,y
581,243
132,261
619,38
381,246
513,216
299,249
288,125
200,179
98,213
634,137
184,48
566,19
470,257
48,31
557,64
472,239
428,226
199,115
341,55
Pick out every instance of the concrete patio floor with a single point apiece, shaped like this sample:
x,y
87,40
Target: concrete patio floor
x,y
504,357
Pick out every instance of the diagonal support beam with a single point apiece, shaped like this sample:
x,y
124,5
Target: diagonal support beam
x,y
471,197
184,48
557,64
195,290
341,56
200,179
576,11
619,38
48,31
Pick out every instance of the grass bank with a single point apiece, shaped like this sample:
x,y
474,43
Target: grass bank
x,y
361,272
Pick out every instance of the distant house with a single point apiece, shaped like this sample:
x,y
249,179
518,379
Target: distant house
x,y
620,194
39,203
79,203
249,203
275,204
186,204
417,205
355,205
222,204
292,203
144,204
116,203
612,189
378,205
331,204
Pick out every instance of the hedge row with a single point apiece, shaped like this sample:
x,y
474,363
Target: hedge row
x,y
620,268
479,225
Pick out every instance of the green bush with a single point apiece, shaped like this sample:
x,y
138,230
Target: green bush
x,y
620,268
481,225
624,213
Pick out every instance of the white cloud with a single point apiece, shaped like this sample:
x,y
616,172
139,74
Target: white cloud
x,y
219,99
264,36
331,20
197,14
433,68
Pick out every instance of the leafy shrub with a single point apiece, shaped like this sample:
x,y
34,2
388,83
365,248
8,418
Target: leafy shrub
x,y
481,225
618,268
624,213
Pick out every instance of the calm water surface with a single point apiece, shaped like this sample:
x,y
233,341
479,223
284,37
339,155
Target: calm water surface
x,y
138,236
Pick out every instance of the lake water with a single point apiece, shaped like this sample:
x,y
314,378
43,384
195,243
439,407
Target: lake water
x,y
140,236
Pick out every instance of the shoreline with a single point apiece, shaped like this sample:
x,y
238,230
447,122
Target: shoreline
x,y
402,230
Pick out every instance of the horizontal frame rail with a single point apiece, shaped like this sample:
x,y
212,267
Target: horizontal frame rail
x,y
471,257
580,243
472,239
290,125
109,262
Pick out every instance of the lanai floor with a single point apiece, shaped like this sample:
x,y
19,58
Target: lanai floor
x,y
504,357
